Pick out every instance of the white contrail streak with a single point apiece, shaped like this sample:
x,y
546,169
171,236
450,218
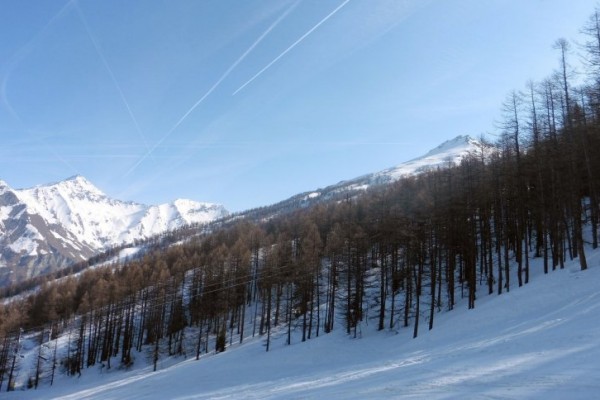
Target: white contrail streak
x,y
215,85
321,22
111,73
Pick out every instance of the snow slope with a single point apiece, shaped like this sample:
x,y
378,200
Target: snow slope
x,y
537,342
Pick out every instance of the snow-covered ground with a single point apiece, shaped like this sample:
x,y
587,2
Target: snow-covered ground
x,y
541,341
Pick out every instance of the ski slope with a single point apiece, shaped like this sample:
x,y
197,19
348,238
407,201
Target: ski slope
x,y
538,342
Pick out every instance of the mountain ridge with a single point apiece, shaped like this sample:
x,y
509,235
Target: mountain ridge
x,y
48,226
448,153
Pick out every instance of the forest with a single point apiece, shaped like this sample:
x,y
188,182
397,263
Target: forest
x,y
394,256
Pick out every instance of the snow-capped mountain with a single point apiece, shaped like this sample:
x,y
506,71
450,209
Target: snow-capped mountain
x,y
449,153
51,226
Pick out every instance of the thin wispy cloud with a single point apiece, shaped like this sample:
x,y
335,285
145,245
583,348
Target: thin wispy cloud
x,y
62,160
35,147
12,64
296,43
214,86
14,61
110,72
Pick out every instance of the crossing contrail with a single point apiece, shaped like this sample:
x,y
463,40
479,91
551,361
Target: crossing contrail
x,y
321,22
214,86
111,73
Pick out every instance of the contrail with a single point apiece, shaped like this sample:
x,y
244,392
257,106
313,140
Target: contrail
x,y
215,85
331,14
110,72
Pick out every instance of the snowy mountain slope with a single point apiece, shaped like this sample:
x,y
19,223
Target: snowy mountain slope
x,y
541,341
72,220
448,153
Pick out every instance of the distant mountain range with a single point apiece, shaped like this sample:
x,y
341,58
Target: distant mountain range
x,y
49,227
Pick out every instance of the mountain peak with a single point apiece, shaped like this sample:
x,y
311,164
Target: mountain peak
x,y
187,203
456,144
75,184
76,177
193,211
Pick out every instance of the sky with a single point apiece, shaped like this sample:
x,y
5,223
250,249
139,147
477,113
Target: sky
x,y
246,103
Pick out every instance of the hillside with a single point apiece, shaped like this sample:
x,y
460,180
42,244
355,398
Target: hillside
x,y
469,272
537,342
412,254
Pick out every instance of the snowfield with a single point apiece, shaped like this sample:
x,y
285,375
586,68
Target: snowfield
x,y
537,342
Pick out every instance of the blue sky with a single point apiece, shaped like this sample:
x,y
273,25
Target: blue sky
x,y
247,102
